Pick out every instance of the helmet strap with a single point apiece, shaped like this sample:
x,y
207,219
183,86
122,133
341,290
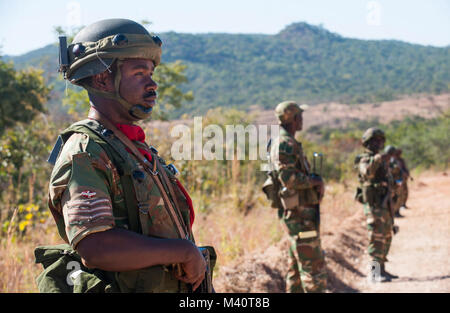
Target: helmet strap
x,y
136,111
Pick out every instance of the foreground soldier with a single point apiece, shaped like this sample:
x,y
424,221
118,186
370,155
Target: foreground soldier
x,y
374,192
300,194
120,207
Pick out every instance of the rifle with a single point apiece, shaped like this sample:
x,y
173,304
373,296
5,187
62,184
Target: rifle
x,y
317,174
272,185
210,258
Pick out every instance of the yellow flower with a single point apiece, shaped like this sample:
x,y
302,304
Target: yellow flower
x,y
20,208
29,216
23,224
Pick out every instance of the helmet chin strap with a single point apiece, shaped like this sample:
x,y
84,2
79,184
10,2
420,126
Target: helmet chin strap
x,y
137,111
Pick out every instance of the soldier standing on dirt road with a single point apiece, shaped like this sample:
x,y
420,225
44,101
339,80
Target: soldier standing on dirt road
x,y
397,176
300,195
405,172
374,192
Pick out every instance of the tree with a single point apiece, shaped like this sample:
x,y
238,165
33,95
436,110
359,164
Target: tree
x,y
169,76
22,95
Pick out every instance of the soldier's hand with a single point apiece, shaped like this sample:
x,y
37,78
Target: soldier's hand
x,y
193,268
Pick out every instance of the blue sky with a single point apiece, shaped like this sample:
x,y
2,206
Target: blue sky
x,y
26,25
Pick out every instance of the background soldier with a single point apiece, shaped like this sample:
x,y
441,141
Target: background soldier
x,y
125,215
397,176
300,194
375,187
405,172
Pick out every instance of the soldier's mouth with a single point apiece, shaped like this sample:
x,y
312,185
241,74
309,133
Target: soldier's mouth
x,y
150,98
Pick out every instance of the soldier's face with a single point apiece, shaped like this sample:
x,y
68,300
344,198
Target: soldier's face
x,y
378,143
137,85
298,122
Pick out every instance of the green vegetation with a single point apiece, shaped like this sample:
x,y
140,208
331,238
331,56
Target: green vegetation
x,y
22,94
425,143
303,62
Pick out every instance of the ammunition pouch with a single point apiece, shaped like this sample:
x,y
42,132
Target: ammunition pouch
x,y
289,199
65,273
271,190
374,195
154,279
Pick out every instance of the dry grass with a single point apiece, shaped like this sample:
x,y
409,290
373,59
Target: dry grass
x,y
234,228
17,268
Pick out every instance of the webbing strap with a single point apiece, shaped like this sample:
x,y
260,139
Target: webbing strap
x,y
167,182
124,179
153,170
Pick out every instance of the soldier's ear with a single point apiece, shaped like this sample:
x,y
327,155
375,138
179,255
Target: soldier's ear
x,y
103,81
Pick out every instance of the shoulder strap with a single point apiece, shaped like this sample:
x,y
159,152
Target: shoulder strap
x,y
118,160
154,169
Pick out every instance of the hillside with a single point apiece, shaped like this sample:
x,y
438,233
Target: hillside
x,y
302,62
333,115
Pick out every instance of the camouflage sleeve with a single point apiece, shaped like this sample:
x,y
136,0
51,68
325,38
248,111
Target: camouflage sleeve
x,y
288,173
81,186
368,165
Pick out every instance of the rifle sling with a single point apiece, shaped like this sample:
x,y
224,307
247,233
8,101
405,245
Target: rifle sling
x,y
157,169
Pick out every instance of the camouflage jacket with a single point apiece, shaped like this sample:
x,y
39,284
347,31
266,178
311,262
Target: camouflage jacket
x,y
97,185
292,167
375,179
371,170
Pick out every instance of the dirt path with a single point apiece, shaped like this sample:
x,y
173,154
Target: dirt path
x,y
420,251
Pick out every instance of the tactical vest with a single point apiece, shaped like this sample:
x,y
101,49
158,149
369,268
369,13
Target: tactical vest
x,y
373,190
136,211
306,196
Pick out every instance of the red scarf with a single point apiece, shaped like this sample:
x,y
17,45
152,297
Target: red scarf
x,y
135,133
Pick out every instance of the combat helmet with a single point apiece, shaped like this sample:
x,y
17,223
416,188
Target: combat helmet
x,y
287,110
372,133
390,150
97,46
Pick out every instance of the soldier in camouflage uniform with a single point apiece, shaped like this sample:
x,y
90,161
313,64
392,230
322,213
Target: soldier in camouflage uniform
x,y
375,189
121,209
405,175
300,195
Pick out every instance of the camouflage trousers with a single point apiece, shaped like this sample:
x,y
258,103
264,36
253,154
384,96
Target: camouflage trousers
x,y
307,272
403,193
379,225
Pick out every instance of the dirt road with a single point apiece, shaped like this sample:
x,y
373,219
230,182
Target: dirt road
x,y
419,253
